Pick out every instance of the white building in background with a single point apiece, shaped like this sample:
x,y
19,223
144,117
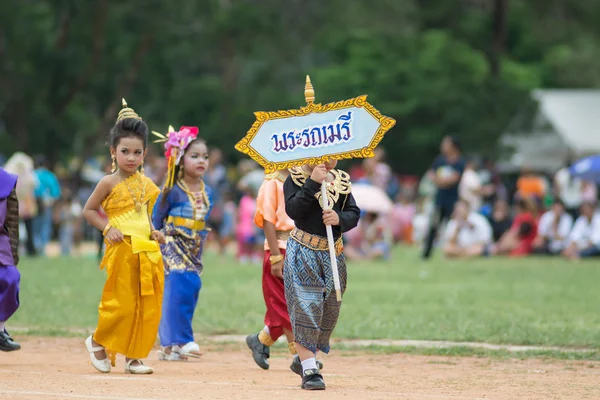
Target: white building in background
x,y
567,124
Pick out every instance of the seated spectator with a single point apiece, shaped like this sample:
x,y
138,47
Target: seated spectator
x,y
584,239
469,188
553,230
371,240
518,241
401,218
500,219
589,192
468,234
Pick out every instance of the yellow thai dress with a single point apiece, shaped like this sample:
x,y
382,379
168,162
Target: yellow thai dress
x,y
130,309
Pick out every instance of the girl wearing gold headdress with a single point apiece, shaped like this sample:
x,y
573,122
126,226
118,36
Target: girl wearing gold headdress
x,y
130,308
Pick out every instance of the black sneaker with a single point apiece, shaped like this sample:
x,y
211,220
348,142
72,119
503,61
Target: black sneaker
x,y
260,352
312,380
7,343
296,365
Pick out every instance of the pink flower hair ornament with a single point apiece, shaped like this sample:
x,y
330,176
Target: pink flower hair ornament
x,y
175,144
177,141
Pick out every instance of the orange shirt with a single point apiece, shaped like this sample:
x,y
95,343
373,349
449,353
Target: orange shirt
x,y
529,186
270,206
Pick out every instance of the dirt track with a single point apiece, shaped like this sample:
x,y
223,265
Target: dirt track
x,y
51,368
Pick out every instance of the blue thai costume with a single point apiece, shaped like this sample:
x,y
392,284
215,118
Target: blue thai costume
x,y
182,217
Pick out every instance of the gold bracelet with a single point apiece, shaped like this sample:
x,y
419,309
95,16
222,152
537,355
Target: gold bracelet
x,y
106,229
276,259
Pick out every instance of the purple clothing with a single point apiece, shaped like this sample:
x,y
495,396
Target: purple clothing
x,y
9,291
7,184
9,274
6,256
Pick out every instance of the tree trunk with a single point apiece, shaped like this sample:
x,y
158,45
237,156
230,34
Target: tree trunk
x,y
499,22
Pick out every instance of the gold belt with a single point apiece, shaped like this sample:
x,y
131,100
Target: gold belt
x,y
189,223
282,235
315,242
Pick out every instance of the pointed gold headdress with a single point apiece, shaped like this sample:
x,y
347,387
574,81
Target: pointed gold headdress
x,y
127,112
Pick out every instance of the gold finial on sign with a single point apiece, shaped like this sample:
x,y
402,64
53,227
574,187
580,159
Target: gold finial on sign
x,y
309,91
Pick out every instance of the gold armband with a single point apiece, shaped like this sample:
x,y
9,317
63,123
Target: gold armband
x,y
276,259
106,229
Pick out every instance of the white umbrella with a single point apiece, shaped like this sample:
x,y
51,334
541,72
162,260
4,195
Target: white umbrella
x,y
371,198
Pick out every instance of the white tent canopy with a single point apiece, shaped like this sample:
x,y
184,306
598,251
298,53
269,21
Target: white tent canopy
x,y
567,124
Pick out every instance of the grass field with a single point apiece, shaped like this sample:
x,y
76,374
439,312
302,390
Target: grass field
x,y
539,301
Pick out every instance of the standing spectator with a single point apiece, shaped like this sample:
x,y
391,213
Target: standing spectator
x,y
155,167
469,188
46,194
584,240
100,238
216,178
248,245
530,186
445,173
468,234
21,165
252,176
553,230
68,211
493,188
378,173
568,189
228,224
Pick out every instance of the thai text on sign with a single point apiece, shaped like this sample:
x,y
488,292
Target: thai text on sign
x,y
339,131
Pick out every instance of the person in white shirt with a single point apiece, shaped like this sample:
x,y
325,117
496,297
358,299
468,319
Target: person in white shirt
x,y
468,234
568,189
470,187
553,230
584,239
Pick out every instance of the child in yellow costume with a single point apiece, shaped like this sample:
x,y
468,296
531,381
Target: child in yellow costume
x,y
130,309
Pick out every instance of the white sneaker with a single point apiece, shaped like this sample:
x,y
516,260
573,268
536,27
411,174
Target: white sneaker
x,y
140,369
190,349
100,365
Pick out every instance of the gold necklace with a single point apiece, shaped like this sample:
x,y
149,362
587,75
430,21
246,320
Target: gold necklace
x,y
140,202
195,197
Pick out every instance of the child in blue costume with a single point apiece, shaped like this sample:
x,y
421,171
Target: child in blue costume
x,y
181,213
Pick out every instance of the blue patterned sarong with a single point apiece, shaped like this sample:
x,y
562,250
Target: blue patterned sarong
x,y
179,302
310,294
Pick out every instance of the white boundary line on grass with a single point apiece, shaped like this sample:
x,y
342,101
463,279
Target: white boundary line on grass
x,y
358,343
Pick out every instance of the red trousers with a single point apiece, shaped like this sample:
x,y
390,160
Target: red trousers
x,y
276,317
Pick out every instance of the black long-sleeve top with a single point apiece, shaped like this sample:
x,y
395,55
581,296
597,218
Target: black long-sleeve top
x,y
302,206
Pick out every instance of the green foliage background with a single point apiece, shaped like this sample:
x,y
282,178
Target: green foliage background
x,y
436,66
